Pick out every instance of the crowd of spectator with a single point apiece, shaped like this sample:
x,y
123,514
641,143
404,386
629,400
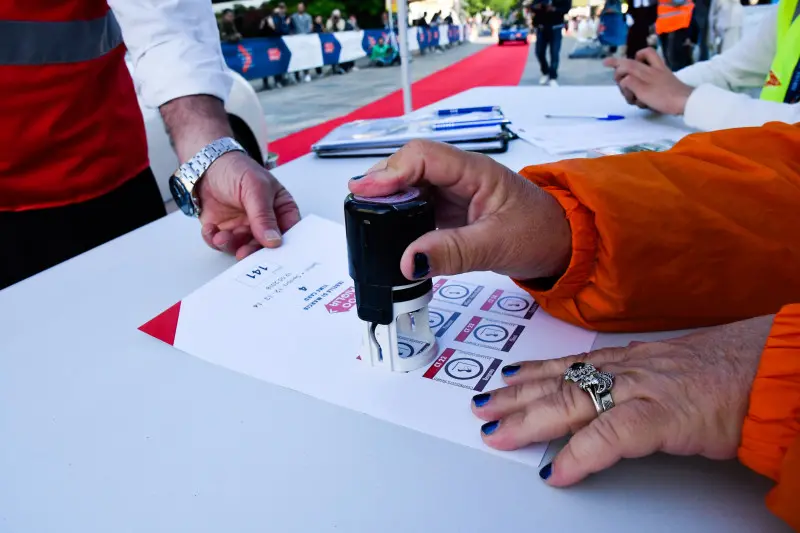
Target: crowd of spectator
x,y
275,21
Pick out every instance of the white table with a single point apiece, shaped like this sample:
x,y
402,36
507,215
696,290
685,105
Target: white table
x,y
103,429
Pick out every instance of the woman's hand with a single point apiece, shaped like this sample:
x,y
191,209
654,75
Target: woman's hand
x,y
489,218
686,396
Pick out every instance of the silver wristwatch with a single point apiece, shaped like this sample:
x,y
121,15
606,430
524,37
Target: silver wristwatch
x,y
183,183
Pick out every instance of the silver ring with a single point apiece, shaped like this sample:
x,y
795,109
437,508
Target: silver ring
x,y
597,384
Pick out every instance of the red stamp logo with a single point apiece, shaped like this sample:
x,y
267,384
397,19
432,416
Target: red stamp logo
x,y
342,303
328,48
274,54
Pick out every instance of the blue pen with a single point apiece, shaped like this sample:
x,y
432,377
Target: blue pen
x,y
446,126
466,111
595,117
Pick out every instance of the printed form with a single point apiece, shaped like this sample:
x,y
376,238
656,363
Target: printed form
x,y
288,317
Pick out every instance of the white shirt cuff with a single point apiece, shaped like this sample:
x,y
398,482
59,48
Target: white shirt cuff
x,y
713,108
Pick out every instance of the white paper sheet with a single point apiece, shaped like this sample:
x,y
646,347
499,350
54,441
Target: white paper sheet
x,y
562,136
287,316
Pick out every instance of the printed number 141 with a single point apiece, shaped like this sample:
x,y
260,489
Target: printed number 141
x,y
257,272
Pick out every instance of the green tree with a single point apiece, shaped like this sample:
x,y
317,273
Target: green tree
x,y
498,6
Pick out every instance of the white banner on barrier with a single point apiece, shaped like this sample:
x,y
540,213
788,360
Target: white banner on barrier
x,y
444,35
413,43
351,45
306,51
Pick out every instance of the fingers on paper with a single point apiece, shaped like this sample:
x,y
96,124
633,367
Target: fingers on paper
x,y
554,368
628,95
632,85
286,210
258,199
251,247
629,430
208,231
542,410
230,241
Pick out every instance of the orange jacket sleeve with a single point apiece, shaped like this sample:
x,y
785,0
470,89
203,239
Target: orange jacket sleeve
x,y
771,432
706,233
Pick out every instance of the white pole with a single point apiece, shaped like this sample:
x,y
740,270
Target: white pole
x,y
405,56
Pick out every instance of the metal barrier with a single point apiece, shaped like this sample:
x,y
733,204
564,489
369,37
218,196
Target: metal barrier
x,y
261,57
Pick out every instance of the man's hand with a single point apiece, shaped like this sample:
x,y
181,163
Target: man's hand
x,y
649,83
243,206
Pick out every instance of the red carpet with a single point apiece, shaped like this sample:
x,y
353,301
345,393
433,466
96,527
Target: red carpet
x,y
495,65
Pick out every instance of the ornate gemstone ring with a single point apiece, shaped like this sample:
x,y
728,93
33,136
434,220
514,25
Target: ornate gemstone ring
x,y
597,384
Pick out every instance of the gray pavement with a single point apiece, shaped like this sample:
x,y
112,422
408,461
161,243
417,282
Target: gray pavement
x,y
301,106
570,71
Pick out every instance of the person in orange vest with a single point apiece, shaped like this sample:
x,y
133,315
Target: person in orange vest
x,y
74,169
704,234
673,28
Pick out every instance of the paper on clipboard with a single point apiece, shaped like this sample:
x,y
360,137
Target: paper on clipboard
x,y
583,135
395,132
287,316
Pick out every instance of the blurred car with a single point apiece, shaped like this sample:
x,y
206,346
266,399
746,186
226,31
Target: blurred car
x,y
247,121
512,33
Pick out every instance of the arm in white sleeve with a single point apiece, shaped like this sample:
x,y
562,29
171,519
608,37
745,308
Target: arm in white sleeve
x,y
175,49
712,108
745,65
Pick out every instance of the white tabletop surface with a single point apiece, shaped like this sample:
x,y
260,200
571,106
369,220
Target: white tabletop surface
x,y
104,429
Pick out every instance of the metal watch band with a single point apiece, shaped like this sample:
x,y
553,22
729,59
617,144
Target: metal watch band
x,y
193,170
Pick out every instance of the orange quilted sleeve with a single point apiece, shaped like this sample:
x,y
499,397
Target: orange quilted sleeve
x,y
706,233
771,432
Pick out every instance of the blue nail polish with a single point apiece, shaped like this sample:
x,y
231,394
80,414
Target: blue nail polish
x,y
489,427
356,178
546,470
481,399
510,370
421,266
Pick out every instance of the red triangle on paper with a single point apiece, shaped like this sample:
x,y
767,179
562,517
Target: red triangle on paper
x,y
164,326
773,80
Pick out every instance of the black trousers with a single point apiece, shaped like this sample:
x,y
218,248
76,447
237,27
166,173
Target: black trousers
x,y
35,240
643,20
676,54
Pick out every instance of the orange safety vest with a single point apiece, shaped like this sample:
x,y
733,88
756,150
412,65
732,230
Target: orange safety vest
x,y
70,124
673,15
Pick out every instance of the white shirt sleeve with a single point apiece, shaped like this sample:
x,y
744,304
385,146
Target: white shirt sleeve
x,y
174,47
746,65
712,108
714,104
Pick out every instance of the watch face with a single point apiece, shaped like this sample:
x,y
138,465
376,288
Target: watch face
x,y
181,196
